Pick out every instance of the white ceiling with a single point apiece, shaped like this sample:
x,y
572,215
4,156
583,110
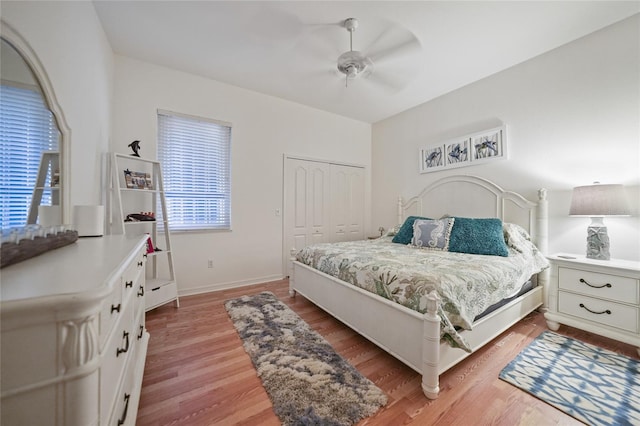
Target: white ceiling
x,y
421,49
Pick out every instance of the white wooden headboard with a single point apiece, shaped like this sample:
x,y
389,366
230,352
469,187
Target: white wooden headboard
x,y
472,196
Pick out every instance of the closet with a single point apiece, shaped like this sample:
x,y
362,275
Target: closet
x,y
323,202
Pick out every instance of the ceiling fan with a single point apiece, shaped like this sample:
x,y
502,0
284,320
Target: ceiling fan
x,y
395,46
353,63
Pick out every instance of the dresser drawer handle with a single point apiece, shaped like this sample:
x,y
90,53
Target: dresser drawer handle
x,y
606,311
128,284
119,351
115,308
582,280
139,264
141,291
124,412
141,332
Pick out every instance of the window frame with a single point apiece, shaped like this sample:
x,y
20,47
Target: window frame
x,y
223,154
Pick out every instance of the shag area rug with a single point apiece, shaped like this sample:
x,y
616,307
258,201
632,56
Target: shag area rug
x,y
307,381
594,385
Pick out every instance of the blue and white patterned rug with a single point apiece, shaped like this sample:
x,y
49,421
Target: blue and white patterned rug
x,y
594,385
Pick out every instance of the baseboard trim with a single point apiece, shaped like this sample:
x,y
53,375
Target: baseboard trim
x,y
226,286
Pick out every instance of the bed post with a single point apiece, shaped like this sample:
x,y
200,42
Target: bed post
x,y
431,347
292,258
542,242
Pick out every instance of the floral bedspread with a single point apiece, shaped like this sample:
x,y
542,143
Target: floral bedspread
x,y
466,283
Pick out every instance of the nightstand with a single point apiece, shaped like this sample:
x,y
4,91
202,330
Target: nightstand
x,y
599,296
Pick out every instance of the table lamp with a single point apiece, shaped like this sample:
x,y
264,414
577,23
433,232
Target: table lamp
x,y
598,201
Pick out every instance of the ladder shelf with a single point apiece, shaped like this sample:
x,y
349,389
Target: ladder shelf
x,y
136,187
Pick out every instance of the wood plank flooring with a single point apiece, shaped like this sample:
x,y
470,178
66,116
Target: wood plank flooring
x,y
197,372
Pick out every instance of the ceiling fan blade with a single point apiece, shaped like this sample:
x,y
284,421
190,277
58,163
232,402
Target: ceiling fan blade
x,y
272,24
389,81
403,51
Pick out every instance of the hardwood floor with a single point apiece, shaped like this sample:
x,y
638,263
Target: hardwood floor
x,y
197,372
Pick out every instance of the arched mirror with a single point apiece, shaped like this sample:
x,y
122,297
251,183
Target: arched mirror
x,y
32,145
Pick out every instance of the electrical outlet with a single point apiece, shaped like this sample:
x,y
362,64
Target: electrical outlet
x,y
209,263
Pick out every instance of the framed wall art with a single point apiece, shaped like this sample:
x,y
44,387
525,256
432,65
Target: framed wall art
x,y
467,150
488,145
432,159
457,152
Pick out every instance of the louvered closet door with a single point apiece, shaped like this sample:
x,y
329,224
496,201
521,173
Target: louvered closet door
x,y
307,198
347,203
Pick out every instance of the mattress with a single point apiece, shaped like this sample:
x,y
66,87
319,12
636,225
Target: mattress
x,y
467,284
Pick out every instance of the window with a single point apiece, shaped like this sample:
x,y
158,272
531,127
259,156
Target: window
x,y
27,128
195,155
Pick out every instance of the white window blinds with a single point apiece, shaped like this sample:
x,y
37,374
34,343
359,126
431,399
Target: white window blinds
x,y
27,128
195,156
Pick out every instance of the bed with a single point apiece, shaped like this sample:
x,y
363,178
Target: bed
x,y
427,353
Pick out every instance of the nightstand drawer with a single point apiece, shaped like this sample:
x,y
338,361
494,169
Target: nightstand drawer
x,y
603,312
612,287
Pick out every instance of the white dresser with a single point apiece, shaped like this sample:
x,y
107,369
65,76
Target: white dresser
x,y
599,296
73,335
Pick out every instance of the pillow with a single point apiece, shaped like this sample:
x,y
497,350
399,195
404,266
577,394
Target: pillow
x,y
405,233
478,236
432,234
392,231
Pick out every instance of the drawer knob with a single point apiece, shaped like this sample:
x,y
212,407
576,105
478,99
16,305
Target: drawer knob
x,y
141,291
583,281
119,351
606,311
139,264
128,284
141,332
124,412
115,308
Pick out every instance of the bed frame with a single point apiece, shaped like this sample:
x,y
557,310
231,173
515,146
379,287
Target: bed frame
x,y
379,319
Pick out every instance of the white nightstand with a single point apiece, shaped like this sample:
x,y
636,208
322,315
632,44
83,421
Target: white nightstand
x,y
599,296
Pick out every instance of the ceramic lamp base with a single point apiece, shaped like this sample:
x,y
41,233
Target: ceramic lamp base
x,y
598,242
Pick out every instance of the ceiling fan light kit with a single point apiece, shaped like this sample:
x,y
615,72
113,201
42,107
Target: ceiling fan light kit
x,y
353,63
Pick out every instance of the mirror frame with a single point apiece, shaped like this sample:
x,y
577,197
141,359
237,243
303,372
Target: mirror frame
x,y
31,58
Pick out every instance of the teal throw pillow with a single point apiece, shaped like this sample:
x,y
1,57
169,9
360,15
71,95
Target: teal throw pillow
x,y
478,236
405,234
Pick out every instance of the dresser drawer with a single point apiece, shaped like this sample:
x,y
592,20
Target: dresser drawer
x,y
607,286
131,275
115,357
110,313
604,312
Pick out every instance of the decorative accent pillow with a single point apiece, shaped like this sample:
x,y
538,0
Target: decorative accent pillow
x,y
391,232
432,234
478,236
405,234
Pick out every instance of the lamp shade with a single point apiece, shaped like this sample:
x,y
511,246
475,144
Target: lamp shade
x,y
599,200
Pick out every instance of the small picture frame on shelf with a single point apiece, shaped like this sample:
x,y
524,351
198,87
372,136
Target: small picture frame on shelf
x,y
138,180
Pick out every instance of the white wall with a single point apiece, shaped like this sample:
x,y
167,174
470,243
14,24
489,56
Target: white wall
x,y
264,128
72,47
572,117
